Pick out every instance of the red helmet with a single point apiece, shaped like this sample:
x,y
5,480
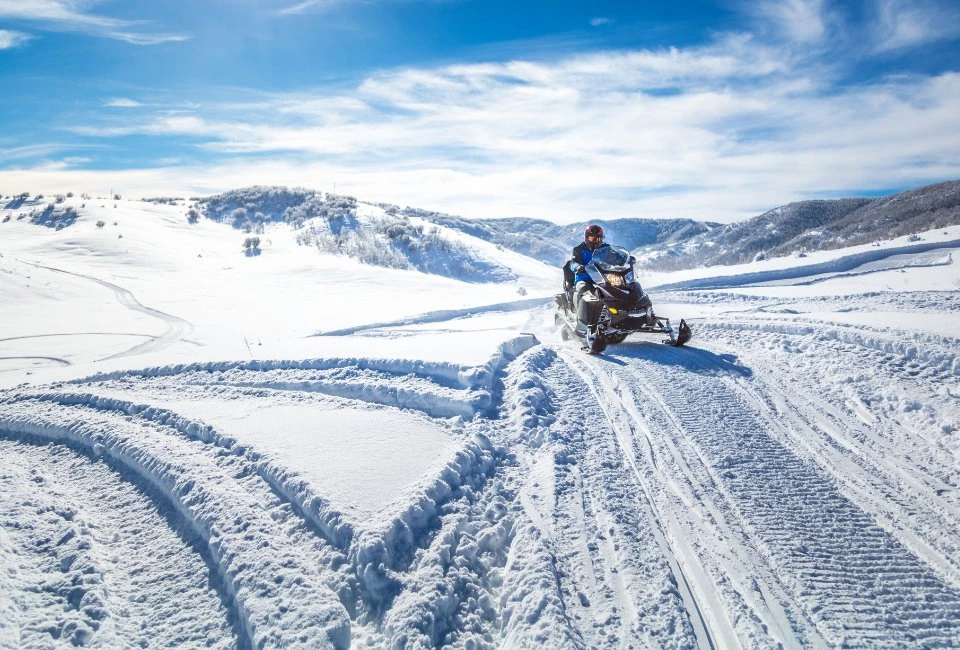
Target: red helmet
x,y
593,236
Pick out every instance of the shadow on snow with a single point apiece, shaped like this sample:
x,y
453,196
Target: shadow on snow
x,y
696,360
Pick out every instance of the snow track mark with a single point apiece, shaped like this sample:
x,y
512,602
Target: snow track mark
x,y
177,328
865,434
89,560
279,596
585,510
859,584
426,575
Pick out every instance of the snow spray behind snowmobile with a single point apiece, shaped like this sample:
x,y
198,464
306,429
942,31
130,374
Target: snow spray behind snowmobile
x,y
615,308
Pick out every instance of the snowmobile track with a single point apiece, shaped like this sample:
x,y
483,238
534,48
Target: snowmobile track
x,y
670,491
387,592
276,594
88,555
850,575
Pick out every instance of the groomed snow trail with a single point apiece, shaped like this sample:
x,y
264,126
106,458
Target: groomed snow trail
x,y
749,491
817,526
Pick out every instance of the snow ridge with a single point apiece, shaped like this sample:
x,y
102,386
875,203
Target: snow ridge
x,y
927,349
278,599
840,265
445,373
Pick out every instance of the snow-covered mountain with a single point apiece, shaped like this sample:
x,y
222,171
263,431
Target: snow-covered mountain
x,y
207,443
388,235
552,243
795,229
799,228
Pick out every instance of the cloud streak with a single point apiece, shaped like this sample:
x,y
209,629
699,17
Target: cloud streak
x,y
9,39
69,15
906,23
122,102
302,7
720,132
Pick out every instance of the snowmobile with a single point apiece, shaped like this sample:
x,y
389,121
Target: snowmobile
x,y
616,307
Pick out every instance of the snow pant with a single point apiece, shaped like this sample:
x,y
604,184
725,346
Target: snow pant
x,y
585,314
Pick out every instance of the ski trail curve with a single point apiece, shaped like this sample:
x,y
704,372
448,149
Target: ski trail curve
x,y
177,327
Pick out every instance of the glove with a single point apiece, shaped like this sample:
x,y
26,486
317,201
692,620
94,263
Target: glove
x,y
578,269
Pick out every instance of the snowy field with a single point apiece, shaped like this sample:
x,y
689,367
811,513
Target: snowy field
x,y
207,449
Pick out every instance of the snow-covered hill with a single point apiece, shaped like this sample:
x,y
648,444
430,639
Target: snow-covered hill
x,y
203,447
677,244
800,228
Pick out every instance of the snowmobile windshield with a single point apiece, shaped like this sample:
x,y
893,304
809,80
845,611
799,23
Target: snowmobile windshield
x,y
612,258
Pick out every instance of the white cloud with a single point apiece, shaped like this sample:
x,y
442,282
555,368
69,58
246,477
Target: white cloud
x,y
69,15
600,21
122,102
28,152
306,5
10,39
719,132
801,21
909,23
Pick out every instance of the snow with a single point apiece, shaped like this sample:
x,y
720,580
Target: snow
x,y
297,450
342,451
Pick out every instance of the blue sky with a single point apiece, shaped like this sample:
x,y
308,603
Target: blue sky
x,y
560,110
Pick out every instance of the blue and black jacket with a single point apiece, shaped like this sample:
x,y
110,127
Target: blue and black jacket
x,y
582,255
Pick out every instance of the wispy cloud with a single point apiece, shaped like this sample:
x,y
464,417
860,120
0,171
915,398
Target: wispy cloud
x,y
324,5
802,21
908,23
612,133
827,25
122,102
29,152
600,21
306,5
70,15
721,131
10,39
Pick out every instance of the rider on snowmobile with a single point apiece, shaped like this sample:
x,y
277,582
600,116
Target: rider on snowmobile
x,y
582,254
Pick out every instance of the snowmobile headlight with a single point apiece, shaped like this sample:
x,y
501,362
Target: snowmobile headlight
x,y
614,279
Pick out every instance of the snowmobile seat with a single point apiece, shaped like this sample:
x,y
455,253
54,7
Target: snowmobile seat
x,y
568,280
567,277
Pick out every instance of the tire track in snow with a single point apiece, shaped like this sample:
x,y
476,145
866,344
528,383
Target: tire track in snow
x,y
712,625
729,570
870,462
859,584
56,360
615,571
277,592
373,564
89,559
